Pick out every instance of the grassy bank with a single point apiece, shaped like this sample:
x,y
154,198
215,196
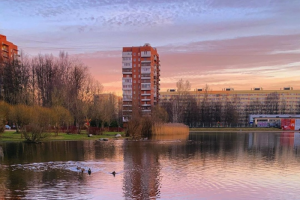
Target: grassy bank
x,y
234,129
12,136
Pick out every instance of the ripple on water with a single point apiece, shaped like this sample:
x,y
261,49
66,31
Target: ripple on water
x,y
69,165
166,170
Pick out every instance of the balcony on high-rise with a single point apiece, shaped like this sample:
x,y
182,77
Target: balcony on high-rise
x,y
146,54
127,71
126,54
146,60
146,98
146,86
145,70
145,76
127,64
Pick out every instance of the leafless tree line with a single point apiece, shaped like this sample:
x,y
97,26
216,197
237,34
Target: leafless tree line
x,y
50,81
219,111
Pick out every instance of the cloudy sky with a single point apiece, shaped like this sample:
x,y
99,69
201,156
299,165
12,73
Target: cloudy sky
x,y
222,43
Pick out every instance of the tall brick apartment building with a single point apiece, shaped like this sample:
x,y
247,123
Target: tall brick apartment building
x,y
140,82
8,51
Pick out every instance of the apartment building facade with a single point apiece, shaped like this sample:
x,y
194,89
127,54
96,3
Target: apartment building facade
x,y
140,81
285,100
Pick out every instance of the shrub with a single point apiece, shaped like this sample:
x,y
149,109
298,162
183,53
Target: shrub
x,y
34,133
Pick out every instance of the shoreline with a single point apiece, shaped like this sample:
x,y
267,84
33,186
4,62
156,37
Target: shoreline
x,y
12,136
239,129
291,131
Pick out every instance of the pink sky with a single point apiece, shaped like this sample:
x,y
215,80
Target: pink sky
x,y
271,62
222,43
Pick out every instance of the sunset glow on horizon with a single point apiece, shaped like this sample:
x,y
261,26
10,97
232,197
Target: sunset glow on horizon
x,y
221,43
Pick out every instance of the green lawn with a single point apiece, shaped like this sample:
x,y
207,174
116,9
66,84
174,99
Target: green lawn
x,y
12,136
234,129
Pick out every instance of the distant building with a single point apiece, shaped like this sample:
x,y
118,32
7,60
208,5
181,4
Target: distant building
x,y
140,82
286,100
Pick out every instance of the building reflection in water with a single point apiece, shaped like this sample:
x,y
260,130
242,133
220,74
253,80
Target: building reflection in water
x,y
271,140
141,171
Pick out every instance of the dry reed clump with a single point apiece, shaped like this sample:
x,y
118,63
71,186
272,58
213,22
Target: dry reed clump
x,y
139,127
170,128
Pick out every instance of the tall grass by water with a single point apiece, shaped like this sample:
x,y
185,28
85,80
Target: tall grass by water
x,y
170,129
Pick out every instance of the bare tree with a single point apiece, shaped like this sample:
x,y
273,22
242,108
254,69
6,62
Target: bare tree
x,y
283,106
272,103
15,76
108,109
191,114
179,101
205,107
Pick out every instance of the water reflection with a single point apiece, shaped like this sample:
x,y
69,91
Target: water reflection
x,y
170,137
204,165
142,171
1,153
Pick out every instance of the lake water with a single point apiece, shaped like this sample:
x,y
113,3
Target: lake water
x,y
199,166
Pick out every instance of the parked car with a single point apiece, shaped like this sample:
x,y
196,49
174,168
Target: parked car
x,y
7,127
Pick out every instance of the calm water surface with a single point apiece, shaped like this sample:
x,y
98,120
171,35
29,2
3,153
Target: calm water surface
x,y
200,166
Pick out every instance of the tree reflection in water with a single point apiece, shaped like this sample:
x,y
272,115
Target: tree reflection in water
x,y
187,167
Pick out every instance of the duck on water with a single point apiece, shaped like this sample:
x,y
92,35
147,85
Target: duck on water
x,y
82,170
